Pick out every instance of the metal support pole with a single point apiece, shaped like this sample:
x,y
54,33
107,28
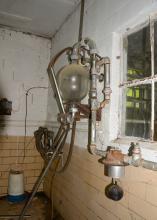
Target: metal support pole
x,y
81,20
54,86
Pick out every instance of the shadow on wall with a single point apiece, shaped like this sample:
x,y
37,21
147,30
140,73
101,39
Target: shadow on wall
x,y
5,110
83,167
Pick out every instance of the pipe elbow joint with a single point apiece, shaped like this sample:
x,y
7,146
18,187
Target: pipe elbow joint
x,y
91,44
106,60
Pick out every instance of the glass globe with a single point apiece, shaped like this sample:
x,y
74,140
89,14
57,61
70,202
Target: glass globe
x,y
73,82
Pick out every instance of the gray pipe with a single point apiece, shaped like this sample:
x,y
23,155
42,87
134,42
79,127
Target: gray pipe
x,y
81,20
91,44
149,165
137,161
93,105
55,88
107,90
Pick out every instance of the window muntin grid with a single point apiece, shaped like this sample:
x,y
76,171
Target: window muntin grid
x,y
139,83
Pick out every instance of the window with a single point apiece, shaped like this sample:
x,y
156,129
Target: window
x,y
139,84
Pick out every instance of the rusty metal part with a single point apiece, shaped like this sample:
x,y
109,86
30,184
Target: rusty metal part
x,y
84,112
114,156
114,165
55,58
105,63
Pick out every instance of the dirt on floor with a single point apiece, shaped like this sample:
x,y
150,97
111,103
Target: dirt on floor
x,y
40,209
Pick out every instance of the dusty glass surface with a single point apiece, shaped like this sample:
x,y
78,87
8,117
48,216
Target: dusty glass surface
x,y
73,81
139,54
138,111
155,116
155,47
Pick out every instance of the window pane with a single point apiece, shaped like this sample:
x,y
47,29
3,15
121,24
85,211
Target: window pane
x,y
155,47
155,116
138,111
139,55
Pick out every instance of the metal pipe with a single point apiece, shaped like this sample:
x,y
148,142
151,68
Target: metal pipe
x,y
107,90
58,134
56,57
70,148
55,88
81,20
44,172
105,63
93,107
149,165
92,45
53,80
152,74
107,72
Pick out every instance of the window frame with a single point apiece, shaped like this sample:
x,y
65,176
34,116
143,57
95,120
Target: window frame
x,y
147,80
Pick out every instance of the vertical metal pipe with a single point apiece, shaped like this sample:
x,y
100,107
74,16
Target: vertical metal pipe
x,y
93,106
152,74
107,90
70,148
107,75
54,86
81,20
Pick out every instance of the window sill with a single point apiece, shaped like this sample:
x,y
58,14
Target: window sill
x,y
148,148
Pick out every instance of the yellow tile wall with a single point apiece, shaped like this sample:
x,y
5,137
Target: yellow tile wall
x,y
78,193
11,154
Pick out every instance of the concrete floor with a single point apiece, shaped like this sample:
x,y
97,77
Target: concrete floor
x,y
40,209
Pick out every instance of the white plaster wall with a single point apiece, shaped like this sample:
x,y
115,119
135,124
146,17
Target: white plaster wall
x,y
103,21
23,63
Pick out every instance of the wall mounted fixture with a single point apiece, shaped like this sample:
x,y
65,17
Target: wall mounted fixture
x,y
85,68
114,167
80,76
5,107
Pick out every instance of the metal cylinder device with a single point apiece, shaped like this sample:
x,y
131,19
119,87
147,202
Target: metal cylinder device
x,y
114,171
114,165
